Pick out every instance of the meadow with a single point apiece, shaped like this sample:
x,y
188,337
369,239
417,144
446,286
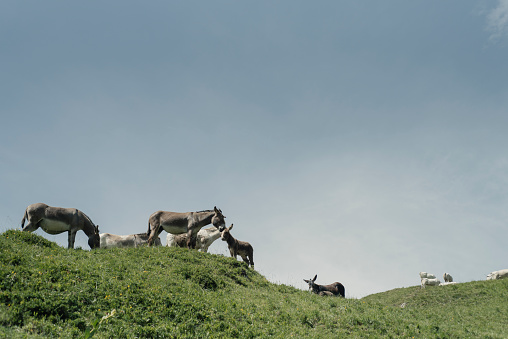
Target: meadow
x,y
48,291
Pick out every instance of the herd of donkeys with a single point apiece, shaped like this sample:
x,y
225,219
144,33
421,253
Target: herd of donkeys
x,y
184,230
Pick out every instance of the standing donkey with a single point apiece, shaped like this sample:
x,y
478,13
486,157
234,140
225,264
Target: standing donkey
x,y
56,220
178,223
334,289
237,247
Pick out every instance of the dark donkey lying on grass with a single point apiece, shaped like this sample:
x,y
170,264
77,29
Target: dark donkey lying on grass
x,y
237,247
334,289
55,220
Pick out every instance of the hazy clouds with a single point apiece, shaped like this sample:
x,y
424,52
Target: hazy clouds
x,y
348,140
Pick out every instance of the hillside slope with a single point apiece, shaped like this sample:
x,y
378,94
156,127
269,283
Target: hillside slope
x,y
473,309
49,291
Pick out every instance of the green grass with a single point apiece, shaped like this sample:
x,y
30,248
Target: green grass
x,y
50,291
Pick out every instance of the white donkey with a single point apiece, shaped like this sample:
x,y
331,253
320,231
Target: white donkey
x,y
132,240
204,239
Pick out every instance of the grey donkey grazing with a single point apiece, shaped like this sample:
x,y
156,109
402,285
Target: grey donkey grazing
x,y
56,220
237,247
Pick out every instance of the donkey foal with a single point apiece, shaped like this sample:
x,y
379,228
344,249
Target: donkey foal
x,y
237,247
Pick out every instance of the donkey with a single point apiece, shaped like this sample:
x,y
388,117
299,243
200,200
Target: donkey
x,y
335,289
205,237
132,240
237,247
189,223
56,220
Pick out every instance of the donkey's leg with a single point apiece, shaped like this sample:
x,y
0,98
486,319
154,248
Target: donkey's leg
x,y
245,259
71,238
191,239
251,258
155,230
30,227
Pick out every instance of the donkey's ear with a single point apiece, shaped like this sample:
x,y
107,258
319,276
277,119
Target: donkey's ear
x,y
230,227
314,278
307,281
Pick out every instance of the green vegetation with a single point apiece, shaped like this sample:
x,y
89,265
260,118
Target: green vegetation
x,y
49,291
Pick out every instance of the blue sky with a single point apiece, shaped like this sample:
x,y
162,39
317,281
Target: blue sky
x,y
360,141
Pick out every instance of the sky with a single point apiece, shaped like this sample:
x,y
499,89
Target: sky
x,y
360,141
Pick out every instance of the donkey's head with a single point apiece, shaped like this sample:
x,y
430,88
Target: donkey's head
x,y
94,240
218,219
312,286
225,235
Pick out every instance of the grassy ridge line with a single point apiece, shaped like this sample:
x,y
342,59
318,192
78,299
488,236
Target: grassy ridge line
x,y
49,291
477,308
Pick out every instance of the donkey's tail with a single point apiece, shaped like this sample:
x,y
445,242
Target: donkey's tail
x,y
153,235
148,232
25,216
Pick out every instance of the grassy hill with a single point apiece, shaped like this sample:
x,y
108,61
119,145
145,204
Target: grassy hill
x,y
50,291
